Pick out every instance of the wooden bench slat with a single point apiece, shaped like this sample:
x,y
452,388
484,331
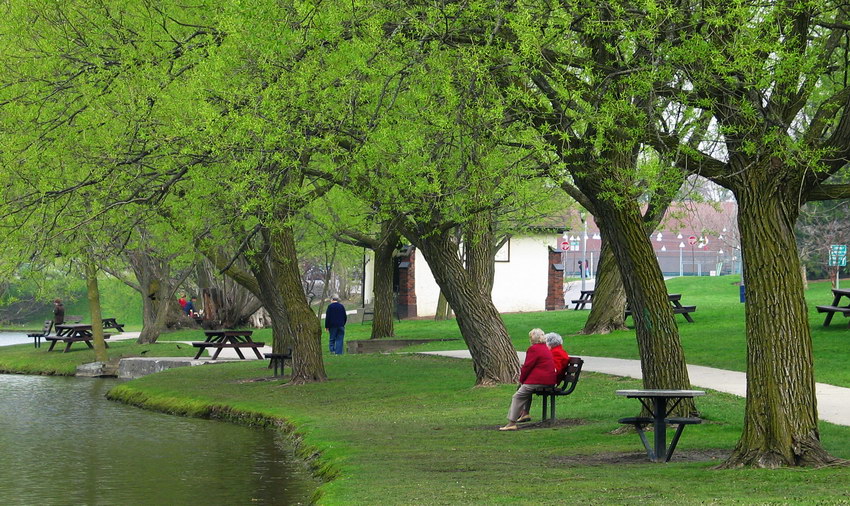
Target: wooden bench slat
x,y
200,344
833,309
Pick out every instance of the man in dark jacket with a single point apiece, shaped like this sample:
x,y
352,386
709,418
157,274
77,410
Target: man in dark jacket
x,y
335,319
58,312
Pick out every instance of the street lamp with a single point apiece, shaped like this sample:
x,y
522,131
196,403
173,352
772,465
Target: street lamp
x,y
681,266
583,250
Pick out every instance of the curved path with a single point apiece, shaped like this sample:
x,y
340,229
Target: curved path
x,y
833,402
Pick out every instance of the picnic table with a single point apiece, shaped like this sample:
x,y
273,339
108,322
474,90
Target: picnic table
x,y
586,297
110,323
835,307
220,339
656,402
676,301
70,333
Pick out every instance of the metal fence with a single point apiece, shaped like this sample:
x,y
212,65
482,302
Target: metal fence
x,y
673,263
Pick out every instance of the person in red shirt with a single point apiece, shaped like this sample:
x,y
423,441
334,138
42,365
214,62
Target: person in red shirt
x,y
537,371
556,345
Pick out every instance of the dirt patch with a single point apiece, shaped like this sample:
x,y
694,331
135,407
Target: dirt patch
x,y
548,424
717,455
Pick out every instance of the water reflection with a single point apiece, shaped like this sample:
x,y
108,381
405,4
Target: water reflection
x,y
62,442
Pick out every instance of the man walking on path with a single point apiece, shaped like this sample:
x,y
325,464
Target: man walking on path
x,y
335,319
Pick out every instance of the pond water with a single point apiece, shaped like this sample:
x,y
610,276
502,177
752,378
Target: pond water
x,y
9,338
62,442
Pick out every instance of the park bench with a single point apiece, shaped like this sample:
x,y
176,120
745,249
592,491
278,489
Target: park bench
x,y
37,336
278,360
566,387
835,307
641,422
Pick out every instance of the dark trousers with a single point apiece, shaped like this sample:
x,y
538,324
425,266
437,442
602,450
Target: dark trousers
x,y
335,339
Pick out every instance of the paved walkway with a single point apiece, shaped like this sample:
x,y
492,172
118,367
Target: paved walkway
x,y
833,402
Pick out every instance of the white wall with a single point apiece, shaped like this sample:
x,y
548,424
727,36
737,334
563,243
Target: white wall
x,y
519,285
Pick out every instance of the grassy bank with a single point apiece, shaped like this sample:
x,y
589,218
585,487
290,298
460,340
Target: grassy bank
x,y
401,429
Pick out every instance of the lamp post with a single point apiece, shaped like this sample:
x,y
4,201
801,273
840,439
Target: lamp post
x,y
681,266
583,250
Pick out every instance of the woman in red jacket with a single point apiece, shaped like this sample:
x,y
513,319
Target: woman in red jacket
x,y
537,371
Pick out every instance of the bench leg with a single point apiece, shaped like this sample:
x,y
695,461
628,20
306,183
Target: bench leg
x,y
257,353
217,351
673,443
828,319
552,412
688,317
67,347
545,408
645,442
200,350
52,344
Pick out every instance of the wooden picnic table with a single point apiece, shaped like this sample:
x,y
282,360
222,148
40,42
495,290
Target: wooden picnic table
x,y
836,306
220,339
70,333
586,297
676,301
656,402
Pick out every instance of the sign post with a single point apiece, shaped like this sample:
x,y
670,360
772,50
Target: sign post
x,y
837,259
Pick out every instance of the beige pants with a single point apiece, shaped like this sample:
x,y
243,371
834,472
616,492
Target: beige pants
x,y
521,399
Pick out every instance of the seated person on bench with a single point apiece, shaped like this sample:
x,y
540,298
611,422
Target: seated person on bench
x,y
556,345
537,371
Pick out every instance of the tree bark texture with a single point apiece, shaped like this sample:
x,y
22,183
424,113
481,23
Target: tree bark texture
x,y
781,420
157,290
609,297
494,358
384,303
304,325
94,308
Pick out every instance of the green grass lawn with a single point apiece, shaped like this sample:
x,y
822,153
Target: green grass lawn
x,y
407,429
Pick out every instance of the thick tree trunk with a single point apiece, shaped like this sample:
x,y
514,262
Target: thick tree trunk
x,y
157,294
270,295
304,325
382,324
94,308
494,358
609,297
781,419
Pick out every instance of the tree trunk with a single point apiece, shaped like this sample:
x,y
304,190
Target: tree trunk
x,y
270,295
609,297
494,358
384,303
94,308
304,325
781,420
443,309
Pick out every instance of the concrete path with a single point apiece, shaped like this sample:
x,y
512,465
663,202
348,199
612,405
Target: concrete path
x,y
833,402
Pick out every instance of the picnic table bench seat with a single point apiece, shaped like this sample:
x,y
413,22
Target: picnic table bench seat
x,y
37,336
111,323
278,360
69,340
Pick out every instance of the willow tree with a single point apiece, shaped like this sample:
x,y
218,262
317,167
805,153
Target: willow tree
x,y
577,76
774,76
453,182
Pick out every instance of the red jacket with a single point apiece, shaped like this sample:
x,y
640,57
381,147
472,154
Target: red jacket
x,y
539,367
559,355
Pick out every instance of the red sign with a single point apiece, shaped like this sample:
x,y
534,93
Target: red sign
x,y
692,240
565,245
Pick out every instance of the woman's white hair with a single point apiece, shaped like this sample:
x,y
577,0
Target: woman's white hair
x,y
536,336
553,339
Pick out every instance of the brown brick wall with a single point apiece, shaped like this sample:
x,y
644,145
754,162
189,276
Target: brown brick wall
x,y
407,287
555,285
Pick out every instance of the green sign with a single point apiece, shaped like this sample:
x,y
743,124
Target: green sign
x,y
838,255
